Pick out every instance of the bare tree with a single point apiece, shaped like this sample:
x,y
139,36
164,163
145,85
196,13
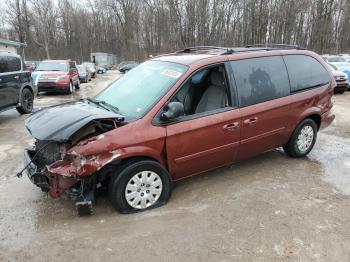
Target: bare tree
x,y
135,29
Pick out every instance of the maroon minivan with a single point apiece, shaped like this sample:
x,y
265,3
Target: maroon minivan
x,y
178,115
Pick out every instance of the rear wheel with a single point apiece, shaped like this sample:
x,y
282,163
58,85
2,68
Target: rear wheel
x,y
27,101
139,186
303,139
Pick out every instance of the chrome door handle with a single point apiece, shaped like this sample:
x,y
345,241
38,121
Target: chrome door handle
x,y
231,126
250,121
16,77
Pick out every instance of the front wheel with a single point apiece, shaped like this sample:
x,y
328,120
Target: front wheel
x,y
303,139
140,186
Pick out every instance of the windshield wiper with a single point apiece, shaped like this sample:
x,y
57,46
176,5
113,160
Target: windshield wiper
x,y
104,104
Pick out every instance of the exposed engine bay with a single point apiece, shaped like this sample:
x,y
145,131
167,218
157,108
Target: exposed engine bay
x,y
53,165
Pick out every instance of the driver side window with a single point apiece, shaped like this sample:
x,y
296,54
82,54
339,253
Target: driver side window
x,y
205,91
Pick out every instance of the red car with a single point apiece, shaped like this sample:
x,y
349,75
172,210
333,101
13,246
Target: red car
x,y
30,66
56,76
341,80
176,116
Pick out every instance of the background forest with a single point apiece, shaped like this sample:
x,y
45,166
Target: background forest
x,y
135,29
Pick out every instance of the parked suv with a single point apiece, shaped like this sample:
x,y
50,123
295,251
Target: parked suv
x,y
16,89
92,68
56,75
179,115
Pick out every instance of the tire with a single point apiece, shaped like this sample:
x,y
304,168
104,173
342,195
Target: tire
x,y
341,91
303,139
129,176
70,88
27,101
77,85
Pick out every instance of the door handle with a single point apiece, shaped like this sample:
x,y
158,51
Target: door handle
x,y
250,121
16,77
231,126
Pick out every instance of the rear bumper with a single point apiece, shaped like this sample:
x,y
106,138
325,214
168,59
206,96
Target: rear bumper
x,y
326,119
83,78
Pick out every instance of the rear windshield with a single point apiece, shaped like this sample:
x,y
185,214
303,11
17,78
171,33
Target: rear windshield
x,y
52,66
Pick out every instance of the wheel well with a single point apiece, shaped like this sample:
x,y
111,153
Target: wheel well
x,y
105,173
30,89
136,159
316,118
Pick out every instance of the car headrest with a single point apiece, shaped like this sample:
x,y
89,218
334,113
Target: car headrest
x,y
216,78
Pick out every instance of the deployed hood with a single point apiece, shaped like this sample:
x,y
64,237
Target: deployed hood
x,y
60,122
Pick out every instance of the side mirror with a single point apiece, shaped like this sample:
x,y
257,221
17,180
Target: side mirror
x,y
172,111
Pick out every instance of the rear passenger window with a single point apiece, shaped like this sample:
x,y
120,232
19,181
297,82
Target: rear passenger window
x,y
260,79
305,72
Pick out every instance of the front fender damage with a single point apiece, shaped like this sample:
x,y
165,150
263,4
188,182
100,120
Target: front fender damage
x,y
64,174
78,165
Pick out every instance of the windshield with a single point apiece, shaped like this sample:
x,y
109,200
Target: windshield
x,y
89,65
126,63
332,67
52,66
135,92
342,65
335,59
81,69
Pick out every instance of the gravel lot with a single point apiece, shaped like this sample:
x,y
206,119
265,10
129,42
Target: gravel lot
x,y
269,208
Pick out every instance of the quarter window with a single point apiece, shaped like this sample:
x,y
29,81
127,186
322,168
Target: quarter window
x,y
14,64
260,79
3,64
305,72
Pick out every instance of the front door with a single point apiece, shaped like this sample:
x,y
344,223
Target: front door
x,y
208,135
202,144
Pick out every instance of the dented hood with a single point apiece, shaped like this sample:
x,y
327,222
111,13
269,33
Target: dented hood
x,y
60,122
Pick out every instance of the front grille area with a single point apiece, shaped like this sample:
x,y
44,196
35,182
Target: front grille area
x,y
340,78
48,152
47,79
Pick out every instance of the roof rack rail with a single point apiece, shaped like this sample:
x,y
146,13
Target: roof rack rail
x,y
200,48
218,50
276,46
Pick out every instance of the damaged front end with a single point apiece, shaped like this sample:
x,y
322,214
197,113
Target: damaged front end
x,y
56,163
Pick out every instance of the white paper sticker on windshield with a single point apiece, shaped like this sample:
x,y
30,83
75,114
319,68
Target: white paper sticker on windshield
x,y
171,73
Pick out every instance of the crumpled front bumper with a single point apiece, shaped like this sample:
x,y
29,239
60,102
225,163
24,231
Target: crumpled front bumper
x,y
40,178
52,183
